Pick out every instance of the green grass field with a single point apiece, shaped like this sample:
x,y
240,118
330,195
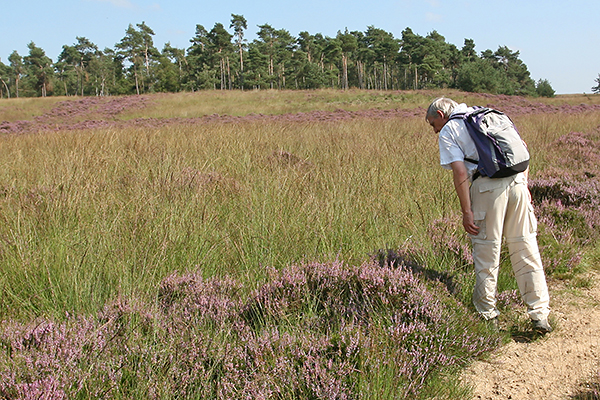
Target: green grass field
x,y
90,216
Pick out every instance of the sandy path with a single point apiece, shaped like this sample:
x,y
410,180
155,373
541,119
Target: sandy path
x,y
553,367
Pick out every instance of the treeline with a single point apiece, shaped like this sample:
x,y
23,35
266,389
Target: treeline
x,y
223,59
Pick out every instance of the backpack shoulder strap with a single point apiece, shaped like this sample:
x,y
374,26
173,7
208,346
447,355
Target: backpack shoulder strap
x,y
468,117
477,110
457,116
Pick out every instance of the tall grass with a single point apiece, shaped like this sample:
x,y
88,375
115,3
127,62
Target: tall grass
x,y
189,105
235,103
91,214
97,224
26,108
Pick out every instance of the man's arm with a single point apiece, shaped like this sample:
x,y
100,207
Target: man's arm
x,y
461,184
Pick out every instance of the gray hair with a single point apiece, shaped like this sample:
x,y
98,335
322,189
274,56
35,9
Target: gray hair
x,y
443,104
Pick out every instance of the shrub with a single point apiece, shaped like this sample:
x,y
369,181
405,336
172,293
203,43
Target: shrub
x,y
320,331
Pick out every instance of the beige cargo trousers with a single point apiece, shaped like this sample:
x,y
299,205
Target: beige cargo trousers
x,y
502,208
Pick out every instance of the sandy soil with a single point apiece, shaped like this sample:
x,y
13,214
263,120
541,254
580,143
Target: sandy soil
x,y
557,366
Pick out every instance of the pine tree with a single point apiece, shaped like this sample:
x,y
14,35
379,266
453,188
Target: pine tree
x,y
39,69
596,89
239,24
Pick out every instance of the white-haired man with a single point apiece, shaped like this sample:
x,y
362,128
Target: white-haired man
x,y
492,209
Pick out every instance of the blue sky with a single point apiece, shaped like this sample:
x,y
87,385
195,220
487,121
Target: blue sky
x,y
558,40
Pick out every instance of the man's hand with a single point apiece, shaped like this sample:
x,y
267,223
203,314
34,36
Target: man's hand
x,y
469,223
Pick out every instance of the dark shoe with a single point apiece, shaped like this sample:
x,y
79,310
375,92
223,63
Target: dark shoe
x,y
541,326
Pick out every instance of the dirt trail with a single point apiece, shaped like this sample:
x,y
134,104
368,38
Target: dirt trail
x,y
556,366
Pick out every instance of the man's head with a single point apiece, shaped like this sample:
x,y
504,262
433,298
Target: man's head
x,y
439,112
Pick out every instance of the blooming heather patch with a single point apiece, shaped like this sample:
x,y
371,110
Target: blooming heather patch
x,y
100,112
84,113
104,117
509,300
519,105
567,197
318,331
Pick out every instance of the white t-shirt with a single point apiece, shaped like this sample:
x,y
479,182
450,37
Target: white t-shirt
x,y
456,143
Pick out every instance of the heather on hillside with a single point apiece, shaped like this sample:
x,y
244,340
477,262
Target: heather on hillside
x,y
567,196
98,112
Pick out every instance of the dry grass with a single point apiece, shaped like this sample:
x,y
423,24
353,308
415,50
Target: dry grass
x,y
26,108
272,102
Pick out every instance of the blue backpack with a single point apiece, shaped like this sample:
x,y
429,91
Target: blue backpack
x,y
501,150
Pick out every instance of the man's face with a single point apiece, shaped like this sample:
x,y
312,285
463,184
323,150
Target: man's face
x,y
437,122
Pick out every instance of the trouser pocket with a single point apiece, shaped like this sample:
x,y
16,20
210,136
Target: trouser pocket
x,y
532,219
479,220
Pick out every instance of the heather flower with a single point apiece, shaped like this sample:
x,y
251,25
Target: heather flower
x,y
567,198
102,112
509,300
214,300
309,332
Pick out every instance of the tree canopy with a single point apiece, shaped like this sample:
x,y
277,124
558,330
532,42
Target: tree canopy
x,y
220,59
